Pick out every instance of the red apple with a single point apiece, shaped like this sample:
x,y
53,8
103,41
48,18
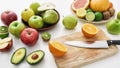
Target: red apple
x,y
8,16
6,44
29,36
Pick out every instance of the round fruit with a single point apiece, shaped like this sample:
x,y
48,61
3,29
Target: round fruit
x,y
46,36
34,6
90,16
99,5
81,12
106,15
69,22
89,30
118,15
57,49
3,32
98,16
89,10
113,26
110,5
77,4
112,11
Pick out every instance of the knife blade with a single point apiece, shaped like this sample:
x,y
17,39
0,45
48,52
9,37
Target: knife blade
x,y
93,44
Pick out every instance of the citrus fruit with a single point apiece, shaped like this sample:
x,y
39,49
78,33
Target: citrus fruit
x,y
118,15
77,4
89,30
89,10
110,4
57,49
81,12
99,5
98,16
90,16
3,32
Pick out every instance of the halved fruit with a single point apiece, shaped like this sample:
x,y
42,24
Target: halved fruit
x,y
6,44
18,56
35,57
77,4
57,49
81,12
3,32
89,30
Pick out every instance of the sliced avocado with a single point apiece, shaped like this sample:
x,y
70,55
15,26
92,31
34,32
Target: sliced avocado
x,y
18,56
35,57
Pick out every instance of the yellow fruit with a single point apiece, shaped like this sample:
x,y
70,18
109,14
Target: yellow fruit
x,y
57,49
99,5
81,12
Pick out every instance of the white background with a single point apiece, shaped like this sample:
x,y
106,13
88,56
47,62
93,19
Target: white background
x,y
63,7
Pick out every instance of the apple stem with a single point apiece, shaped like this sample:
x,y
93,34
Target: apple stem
x,y
7,12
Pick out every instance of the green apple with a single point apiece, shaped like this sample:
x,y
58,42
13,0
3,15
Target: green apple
x,y
16,28
50,16
34,6
36,22
69,22
26,14
118,15
113,26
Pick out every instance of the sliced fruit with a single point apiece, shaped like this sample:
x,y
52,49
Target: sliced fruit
x,y
112,11
77,4
89,30
46,6
6,44
3,32
18,56
106,15
90,16
81,12
57,49
98,16
46,36
35,57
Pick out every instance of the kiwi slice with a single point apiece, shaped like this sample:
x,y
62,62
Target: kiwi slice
x,y
46,36
3,32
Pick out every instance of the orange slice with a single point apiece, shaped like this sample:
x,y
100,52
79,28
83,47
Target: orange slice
x,y
57,49
89,30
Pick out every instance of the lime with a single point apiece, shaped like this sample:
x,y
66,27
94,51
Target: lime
x,y
46,36
90,16
98,16
118,15
3,32
81,12
89,10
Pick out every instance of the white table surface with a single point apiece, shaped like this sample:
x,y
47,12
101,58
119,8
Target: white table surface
x,y
63,7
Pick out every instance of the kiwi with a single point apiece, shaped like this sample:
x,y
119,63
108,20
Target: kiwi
x,y
112,11
106,15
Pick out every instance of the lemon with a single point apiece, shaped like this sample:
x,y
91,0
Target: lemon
x,y
81,12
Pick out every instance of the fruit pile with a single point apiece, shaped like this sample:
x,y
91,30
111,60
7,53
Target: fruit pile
x,y
93,10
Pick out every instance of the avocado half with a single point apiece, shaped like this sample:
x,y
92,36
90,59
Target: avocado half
x,y
35,57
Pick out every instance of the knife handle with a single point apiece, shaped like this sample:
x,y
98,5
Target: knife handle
x,y
115,42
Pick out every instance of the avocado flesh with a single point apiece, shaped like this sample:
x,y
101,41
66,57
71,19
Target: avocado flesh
x,y
35,61
18,56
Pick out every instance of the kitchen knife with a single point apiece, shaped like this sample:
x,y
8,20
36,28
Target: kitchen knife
x,y
93,44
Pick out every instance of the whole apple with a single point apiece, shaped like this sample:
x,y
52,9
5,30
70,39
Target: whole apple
x,y
16,28
113,26
36,22
29,36
26,14
69,22
34,6
8,16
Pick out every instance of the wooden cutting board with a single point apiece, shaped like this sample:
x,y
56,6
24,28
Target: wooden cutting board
x,y
77,57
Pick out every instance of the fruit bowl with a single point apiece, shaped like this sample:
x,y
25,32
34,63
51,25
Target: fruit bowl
x,y
46,26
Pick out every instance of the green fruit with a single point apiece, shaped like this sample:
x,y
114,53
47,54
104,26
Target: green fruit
x,y
36,22
118,15
34,6
69,22
50,17
89,10
18,56
3,32
35,57
90,16
113,26
98,16
46,36
16,28
26,14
